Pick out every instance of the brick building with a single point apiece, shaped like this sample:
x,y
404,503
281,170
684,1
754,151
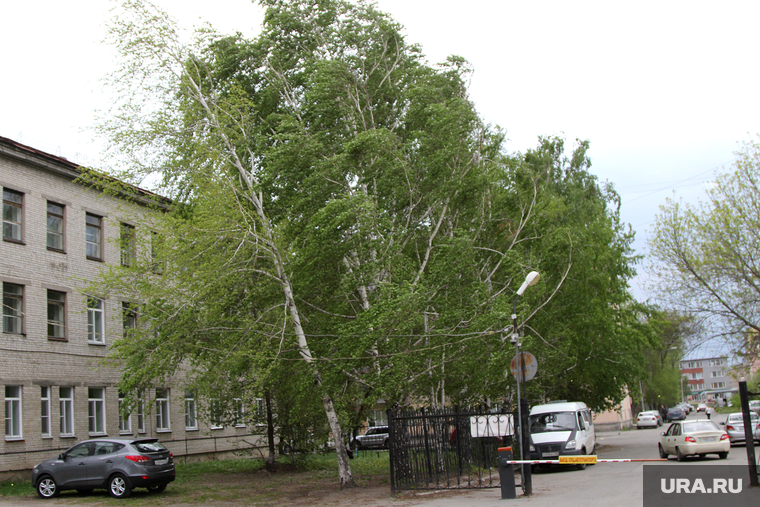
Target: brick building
x,y
57,235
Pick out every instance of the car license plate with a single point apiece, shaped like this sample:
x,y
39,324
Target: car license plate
x,y
549,454
708,439
162,461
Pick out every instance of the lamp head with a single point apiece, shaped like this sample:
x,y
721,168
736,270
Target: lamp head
x,y
531,279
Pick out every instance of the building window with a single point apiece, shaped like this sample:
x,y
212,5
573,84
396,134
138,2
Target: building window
x,y
155,261
56,310
94,237
66,399
378,418
695,376
45,412
96,402
127,241
13,308
261,408
718,385
55,225
13,412
215,415
163,422
125,417
129,318
13,213
239,413
140,414
191,420
95,320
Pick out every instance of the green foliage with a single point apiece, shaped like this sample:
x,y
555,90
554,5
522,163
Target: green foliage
x,y
704,258
346,228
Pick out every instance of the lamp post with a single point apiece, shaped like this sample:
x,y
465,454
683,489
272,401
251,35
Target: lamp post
x,y
522,415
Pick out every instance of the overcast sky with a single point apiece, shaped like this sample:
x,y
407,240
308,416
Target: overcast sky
x,y
664,91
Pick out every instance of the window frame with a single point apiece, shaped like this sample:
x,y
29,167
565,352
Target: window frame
x,y
129,315
46,428
163,411
127,245
14,413
66,404
215,415
8,308
96,411
7,203
140,414
125,418
62,233
62,322
98,227
191,412
96,327
240,415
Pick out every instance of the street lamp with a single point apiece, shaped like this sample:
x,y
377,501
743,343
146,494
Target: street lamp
x,y
522,415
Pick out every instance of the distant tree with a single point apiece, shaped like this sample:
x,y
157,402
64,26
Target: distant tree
x,y
704,256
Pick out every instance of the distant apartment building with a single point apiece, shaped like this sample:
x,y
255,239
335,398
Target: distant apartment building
x,y
57,236
708,379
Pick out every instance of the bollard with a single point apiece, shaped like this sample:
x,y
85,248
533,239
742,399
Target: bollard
x,y
507,474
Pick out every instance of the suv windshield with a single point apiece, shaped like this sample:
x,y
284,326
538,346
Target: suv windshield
x,y
554,421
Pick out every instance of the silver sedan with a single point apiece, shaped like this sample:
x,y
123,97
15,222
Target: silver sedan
x,y
734,426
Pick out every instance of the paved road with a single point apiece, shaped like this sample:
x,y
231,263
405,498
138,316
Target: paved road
x,y
601,485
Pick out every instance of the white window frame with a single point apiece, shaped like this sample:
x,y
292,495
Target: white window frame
x,y
163,413
96,320
11,313
239,413
56,232
127,245
13,413
45,415
96,410
125,418
191,413
55,303
14,226
66,404
140,414
94,237
214,418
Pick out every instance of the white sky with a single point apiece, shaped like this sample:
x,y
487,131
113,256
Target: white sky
x,y
664,91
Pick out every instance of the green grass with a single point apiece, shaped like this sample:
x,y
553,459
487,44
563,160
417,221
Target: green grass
x,y
16,488
195,482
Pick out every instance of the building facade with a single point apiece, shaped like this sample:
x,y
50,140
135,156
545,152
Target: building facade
x,y
708,379
57,237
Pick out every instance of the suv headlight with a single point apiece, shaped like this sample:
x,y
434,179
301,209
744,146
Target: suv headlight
x,y
570,445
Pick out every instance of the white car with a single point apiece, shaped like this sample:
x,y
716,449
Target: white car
x,y
688,438
647,419
702,407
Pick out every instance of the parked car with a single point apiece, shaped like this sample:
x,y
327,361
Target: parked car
x,y
118,465
702,407
647,419
676,414
376,436
735,427
700,437
686,407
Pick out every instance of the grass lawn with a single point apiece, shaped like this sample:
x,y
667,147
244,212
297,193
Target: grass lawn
x,y
306,480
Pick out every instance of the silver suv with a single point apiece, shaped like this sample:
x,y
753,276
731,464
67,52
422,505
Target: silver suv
x,y
117,464
376,436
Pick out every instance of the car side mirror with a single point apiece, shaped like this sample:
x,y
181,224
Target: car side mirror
x,y
62,456
585,425
723,423
662,433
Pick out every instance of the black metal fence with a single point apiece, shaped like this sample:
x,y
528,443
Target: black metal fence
x,y
446,449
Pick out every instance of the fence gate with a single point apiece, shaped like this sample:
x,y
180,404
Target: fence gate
x,y
446,449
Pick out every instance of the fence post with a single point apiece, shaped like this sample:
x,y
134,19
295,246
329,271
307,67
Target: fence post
x,y
391,440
